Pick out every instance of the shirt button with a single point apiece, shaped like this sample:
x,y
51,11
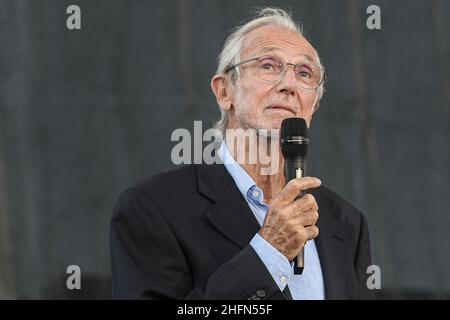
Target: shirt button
x,y
261,293
255,194
283,279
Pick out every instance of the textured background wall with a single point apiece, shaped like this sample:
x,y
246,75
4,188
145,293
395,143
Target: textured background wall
x,y
83,114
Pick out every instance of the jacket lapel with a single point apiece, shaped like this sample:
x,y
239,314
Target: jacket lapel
x,y
331,246
230,213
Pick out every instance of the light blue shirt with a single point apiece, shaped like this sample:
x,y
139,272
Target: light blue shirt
x,y
307,286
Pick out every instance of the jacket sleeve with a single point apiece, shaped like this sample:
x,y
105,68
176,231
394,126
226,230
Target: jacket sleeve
x,y
147,261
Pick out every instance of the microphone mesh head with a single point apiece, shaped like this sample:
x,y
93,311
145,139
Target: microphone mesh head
x,y
293,127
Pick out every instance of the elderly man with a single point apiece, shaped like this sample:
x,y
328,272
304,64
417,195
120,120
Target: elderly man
x,y
227,231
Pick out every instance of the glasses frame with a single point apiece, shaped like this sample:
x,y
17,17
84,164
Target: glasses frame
x,y
231,67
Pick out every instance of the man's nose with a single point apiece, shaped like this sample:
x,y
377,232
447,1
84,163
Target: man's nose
x,y
288,81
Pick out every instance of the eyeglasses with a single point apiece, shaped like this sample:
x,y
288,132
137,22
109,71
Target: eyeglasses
x,y
273,68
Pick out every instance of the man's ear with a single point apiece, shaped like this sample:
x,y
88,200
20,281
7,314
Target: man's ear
x,y
221,89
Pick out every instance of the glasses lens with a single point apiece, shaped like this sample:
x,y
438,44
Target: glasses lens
x,y
270,68
308,75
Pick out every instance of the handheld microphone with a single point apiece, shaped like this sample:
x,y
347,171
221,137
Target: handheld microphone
x,y
294,143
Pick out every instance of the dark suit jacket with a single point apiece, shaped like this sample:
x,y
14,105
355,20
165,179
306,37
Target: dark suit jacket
x,y
185,234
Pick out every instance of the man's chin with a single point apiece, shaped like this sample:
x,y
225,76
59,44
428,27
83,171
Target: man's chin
x,y
265,126
273,124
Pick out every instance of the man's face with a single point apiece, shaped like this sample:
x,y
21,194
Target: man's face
x,y
259,104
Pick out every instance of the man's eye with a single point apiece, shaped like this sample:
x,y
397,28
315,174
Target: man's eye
x,y
305,74
267,65
304,71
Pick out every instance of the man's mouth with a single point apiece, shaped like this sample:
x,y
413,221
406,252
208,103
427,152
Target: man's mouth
x,y
282,107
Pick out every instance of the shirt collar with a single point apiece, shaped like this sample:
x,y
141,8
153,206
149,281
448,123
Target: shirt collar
x,y
242,179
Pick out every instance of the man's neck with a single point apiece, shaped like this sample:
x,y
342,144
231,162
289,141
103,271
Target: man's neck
x,y
269,177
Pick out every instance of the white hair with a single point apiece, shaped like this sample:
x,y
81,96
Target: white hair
x,y
233,46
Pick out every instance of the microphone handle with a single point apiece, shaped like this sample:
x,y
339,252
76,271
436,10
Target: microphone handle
x,y
297,169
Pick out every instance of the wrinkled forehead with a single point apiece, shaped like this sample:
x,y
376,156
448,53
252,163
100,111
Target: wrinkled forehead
x,y
275,38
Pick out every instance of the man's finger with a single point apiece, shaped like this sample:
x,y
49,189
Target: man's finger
x,y
293,188
306,203
312,232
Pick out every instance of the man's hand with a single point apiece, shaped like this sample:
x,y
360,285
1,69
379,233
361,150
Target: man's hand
x,y
289,223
